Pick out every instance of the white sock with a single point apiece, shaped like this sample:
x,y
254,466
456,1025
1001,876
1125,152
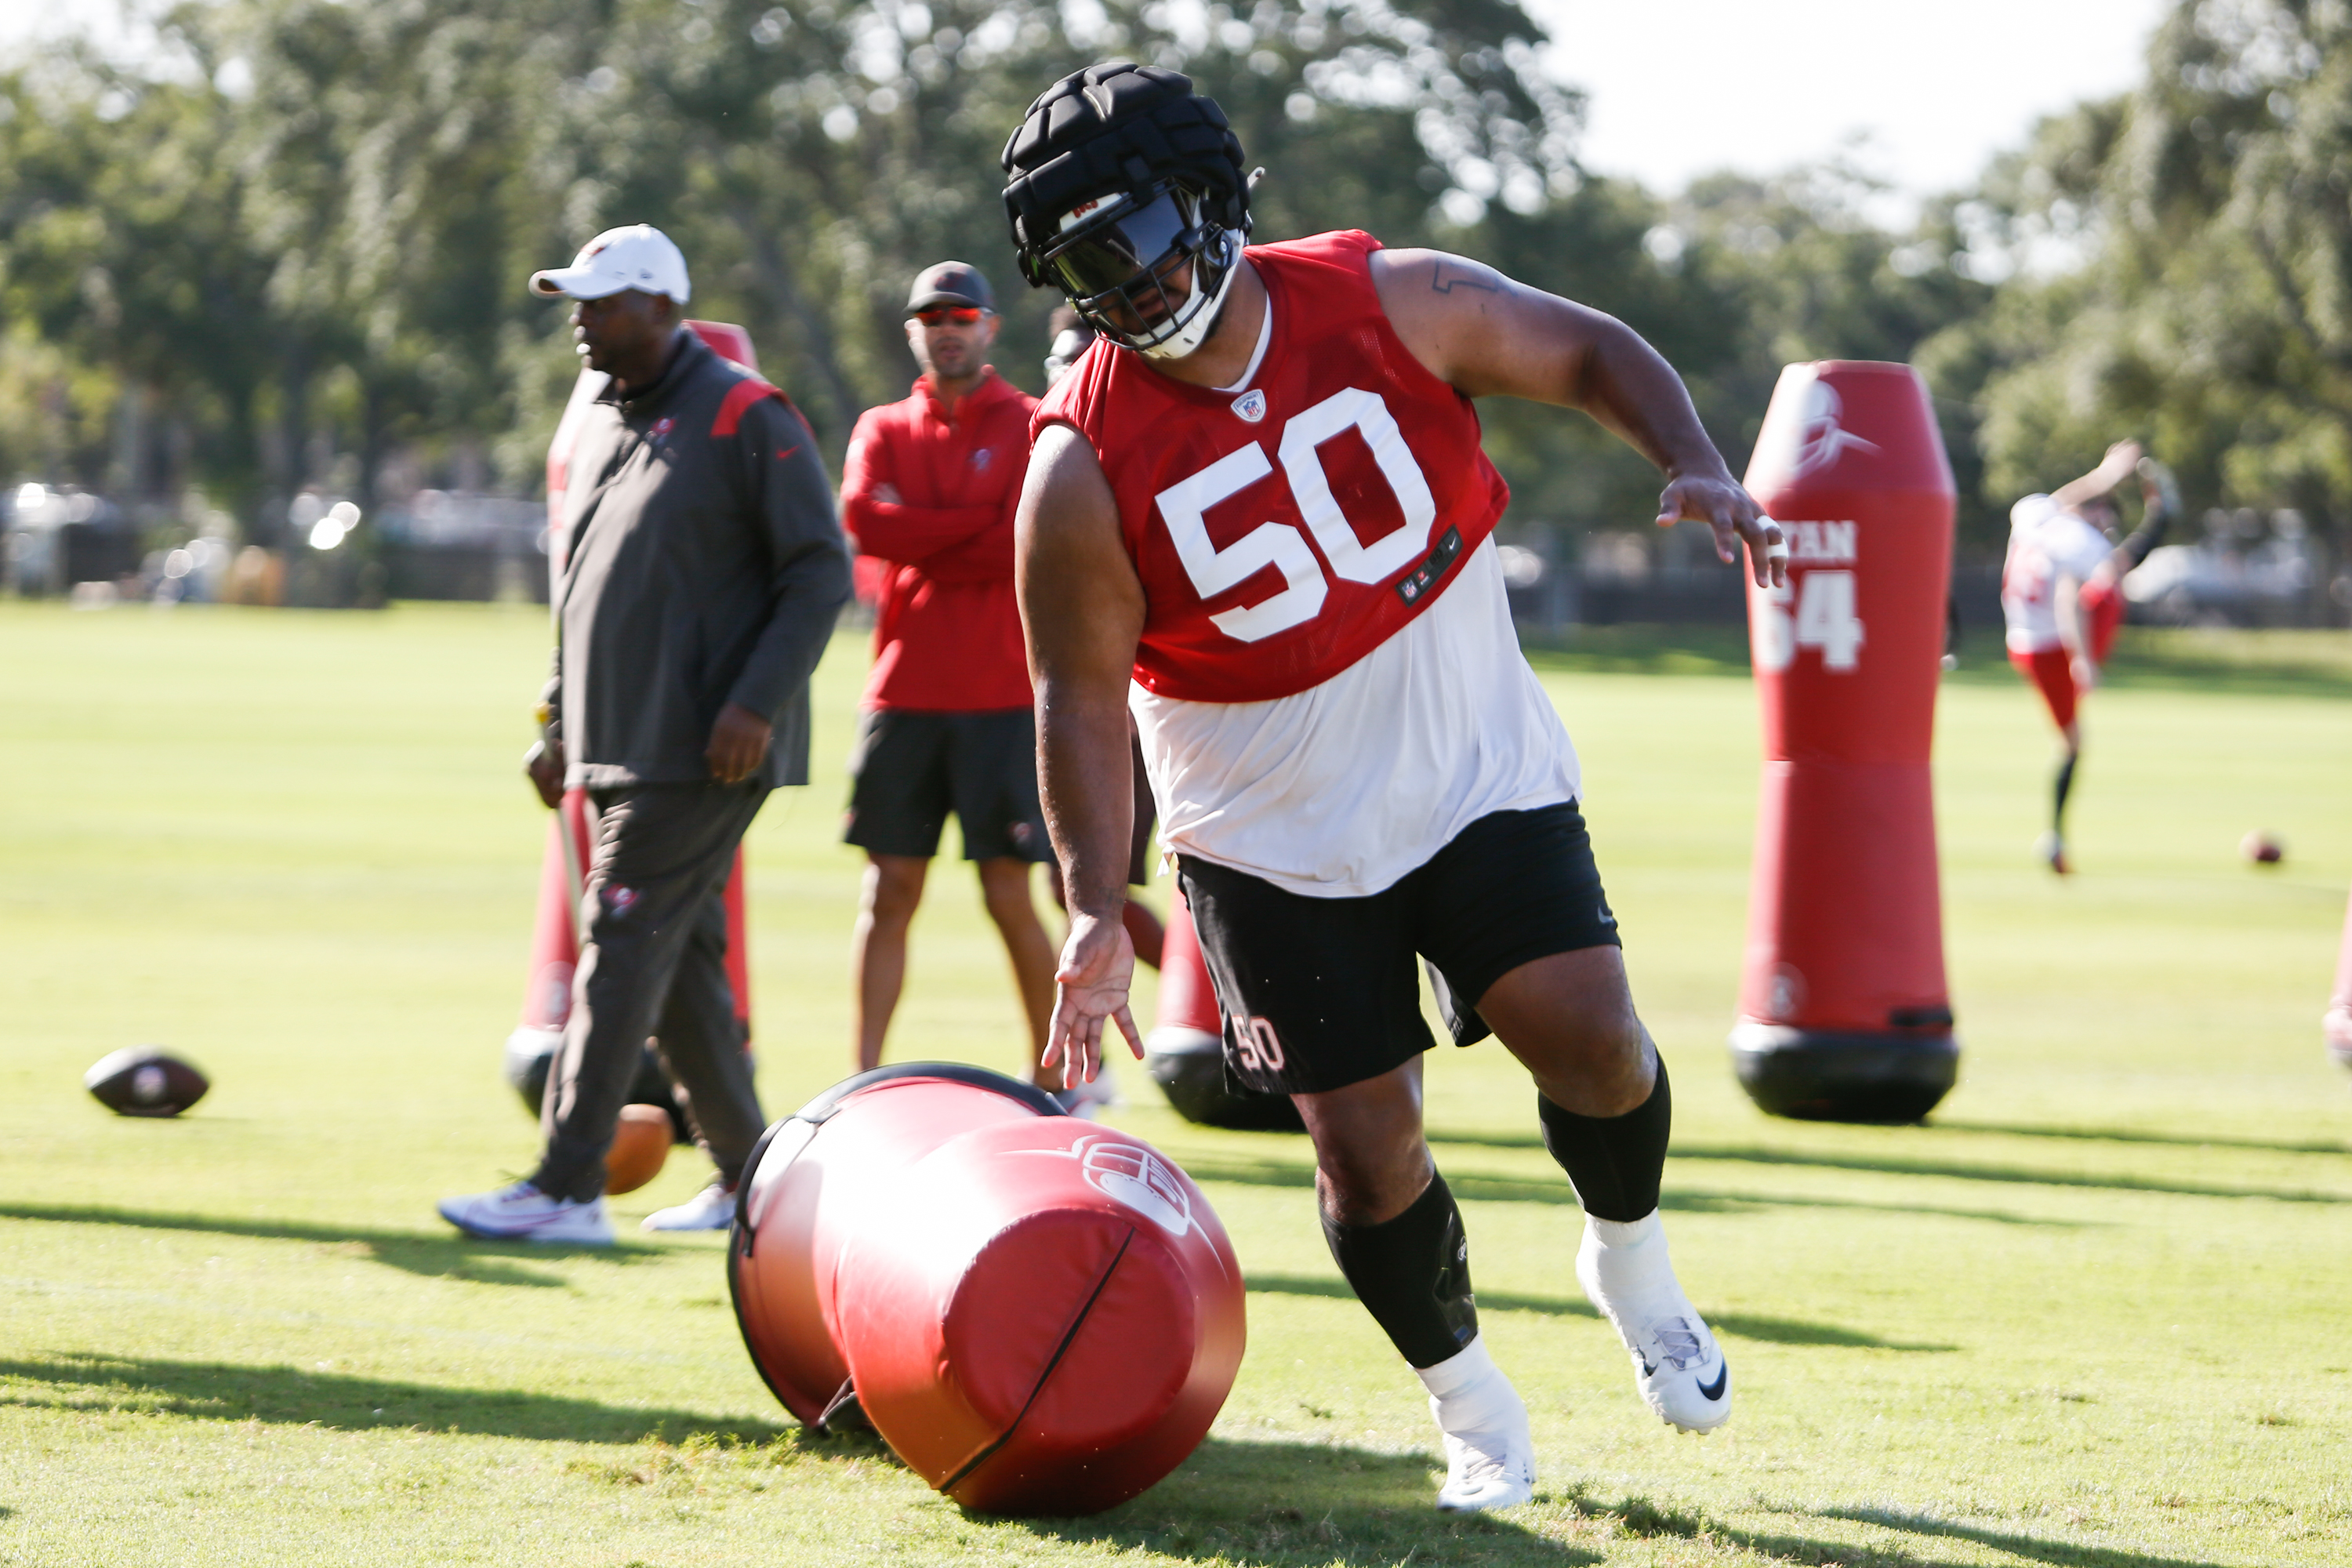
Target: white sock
x,y
1626,1257
1619,1233
1467,1392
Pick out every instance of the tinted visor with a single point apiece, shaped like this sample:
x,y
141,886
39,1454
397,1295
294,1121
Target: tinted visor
x,y
1111,254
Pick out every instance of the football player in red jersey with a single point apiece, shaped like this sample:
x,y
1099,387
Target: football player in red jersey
x,y
1257,514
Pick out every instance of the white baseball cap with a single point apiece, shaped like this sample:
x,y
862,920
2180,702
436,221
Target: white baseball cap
x,y
637,256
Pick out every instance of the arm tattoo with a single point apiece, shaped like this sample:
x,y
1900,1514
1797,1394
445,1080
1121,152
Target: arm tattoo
x,y
1448,271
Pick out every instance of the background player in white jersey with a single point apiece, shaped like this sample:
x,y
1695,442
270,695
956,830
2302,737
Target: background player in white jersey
x,y
2061,596
1351,759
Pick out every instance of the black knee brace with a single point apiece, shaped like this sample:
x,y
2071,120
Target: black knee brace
x,y
1412,1274
1616,1164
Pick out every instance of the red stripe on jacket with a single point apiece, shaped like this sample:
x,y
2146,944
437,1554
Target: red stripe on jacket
x,y
739,397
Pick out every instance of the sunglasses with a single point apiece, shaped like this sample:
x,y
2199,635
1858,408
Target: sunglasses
x,y
945,315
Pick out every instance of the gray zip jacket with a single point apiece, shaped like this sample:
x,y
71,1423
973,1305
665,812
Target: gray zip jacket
x,y
706,567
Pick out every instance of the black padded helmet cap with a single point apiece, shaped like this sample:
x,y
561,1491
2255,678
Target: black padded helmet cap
x,y
1120,126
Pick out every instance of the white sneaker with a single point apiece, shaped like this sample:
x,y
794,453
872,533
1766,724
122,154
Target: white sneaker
x,y
1677,1366
2050,850
1490,1455
523,1213
713,1208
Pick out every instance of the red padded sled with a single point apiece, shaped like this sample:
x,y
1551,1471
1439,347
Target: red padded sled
x,y
1038,1314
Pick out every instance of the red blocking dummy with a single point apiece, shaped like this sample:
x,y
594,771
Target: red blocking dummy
x,y
1844,1012
2338,1023
1185,1053
1038,1314
1052,1323
809,1186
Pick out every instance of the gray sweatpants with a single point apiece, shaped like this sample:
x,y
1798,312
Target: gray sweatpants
x,y
654,962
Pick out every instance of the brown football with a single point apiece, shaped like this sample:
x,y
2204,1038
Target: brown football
x,y
2262,848
144,1080
640,1145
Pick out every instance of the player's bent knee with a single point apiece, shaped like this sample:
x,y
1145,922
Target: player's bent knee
x,y
1007,898
1370,1159
1371,1192
1570,1015
894,887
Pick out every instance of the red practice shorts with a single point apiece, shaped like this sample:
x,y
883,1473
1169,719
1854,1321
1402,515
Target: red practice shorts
x,y
2103,617
2053,671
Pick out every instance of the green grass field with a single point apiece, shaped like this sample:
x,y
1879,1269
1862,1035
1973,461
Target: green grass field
x,y
2098,1311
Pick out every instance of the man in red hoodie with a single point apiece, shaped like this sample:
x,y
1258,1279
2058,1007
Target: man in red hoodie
x,y
929,491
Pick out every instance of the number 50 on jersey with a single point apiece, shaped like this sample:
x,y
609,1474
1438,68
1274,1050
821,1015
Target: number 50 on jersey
x,y
1185,506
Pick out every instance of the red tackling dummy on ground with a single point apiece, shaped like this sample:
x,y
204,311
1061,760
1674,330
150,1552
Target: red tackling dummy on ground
x,y
1039,1315
1844,1012
1188,999
1185,1050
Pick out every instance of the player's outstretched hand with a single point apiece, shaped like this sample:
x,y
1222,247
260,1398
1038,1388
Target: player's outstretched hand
x,y
1097,968
1728,509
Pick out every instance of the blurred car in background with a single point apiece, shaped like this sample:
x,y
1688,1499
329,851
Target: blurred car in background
x,y
56,541
2250,570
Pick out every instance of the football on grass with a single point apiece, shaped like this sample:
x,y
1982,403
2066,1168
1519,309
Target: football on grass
x,y
2262,848
640,1145
140,1080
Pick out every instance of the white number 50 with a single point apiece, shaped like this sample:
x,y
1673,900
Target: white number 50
x,y
1185,505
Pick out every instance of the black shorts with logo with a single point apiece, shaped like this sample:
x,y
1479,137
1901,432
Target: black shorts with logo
x,y
1317,994
911,769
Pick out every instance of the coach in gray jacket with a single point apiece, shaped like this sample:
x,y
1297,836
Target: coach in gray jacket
x,y
704,569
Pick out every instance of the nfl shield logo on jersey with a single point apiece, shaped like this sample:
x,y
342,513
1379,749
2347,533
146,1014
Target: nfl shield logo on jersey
x,y
1250,406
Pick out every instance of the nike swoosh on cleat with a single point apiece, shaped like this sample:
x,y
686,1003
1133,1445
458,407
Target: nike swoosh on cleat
x,y
1714,1391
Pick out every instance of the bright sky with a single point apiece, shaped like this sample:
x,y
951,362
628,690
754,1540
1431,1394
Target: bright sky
x,y
1680,87
21,19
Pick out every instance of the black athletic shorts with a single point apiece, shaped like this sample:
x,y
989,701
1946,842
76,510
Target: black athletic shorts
x,y
1317,994
909,769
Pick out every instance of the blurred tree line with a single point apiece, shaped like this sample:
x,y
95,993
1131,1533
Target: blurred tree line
x,y
286,247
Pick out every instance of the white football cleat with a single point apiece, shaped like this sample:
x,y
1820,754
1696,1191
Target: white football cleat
x,y
713,1208
2050,850
1490,1455
1677,1366
523,1213
1488,1469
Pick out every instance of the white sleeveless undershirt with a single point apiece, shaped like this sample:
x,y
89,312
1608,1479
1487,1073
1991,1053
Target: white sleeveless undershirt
x,y
1340,790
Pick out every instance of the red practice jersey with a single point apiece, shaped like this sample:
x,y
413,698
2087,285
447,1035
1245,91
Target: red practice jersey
x,y
947,632
1286,530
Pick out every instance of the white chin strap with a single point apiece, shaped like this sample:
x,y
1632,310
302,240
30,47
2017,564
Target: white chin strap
x,y
1196,327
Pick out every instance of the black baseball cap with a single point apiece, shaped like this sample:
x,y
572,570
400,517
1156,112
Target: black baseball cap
x,y
950,283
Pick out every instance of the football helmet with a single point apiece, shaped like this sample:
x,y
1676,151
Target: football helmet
x,y
1126,191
